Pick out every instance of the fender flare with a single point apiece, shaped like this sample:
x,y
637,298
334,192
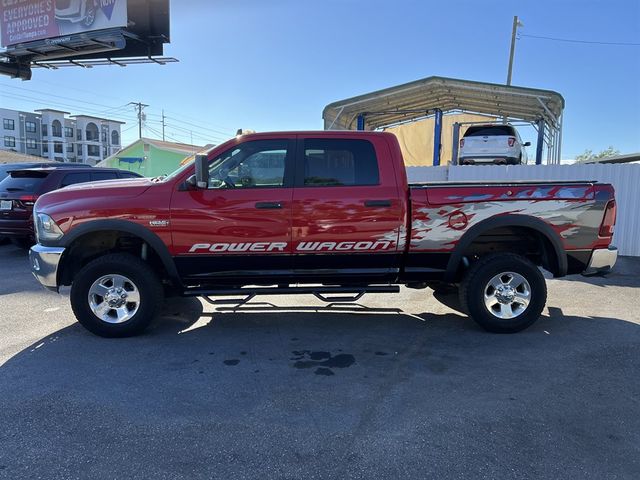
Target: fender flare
x,y
507,221
126,226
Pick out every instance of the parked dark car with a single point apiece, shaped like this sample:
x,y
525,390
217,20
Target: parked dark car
x,y
5,168
22,187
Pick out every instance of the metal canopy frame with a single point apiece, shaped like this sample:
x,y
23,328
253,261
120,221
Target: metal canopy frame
x,y
433,96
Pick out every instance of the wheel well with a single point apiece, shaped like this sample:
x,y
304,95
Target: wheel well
x,y
525,241
95,244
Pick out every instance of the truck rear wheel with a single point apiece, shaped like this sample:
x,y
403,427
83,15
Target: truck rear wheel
x,y
504,293
116,295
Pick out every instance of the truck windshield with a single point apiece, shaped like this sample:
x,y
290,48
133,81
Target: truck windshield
x,y
178,171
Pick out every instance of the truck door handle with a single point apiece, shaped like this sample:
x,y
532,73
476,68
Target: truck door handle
x,y
377,203
269,205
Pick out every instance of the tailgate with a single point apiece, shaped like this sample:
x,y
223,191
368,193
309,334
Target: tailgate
x,y
485,144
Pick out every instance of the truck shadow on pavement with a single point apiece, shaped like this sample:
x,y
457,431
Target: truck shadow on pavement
x,y
626,273
319,388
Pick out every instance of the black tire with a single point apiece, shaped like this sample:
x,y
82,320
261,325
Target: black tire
x,y
476,283
141,276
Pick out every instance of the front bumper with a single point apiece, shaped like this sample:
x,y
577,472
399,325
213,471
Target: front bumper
x,y
44,264
602,261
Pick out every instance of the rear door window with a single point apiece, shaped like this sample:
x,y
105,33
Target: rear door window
x,y
98,176
23,182
73,178
338,162
490,130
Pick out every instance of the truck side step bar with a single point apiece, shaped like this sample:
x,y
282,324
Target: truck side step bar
x,y
320,292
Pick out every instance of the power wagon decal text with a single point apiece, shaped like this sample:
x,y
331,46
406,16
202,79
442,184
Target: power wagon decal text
x,y
302,247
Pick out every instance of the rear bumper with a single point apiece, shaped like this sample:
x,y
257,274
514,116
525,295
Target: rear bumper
x,y
602,261
16,228
44,264
487,159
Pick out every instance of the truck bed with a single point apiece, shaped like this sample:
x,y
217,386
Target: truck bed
x,y
480,183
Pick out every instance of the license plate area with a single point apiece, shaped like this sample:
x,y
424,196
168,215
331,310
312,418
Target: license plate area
x,y
6,204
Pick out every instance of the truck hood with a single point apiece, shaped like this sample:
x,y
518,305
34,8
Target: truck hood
x,y
124,183
83,192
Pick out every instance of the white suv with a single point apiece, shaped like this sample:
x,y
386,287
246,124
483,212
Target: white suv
x,y
498,144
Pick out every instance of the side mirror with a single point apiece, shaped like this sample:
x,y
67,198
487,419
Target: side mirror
x,y
526,144
202,171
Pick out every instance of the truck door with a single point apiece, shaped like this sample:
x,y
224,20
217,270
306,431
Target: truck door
x,y
347,211
240,226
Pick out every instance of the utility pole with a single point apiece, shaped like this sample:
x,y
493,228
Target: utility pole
x,y
516,23
163,124
139,106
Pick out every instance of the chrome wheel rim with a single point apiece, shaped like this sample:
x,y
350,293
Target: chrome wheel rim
x,y
114,298
507,295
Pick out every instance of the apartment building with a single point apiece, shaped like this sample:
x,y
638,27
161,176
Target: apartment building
x,y
20,132
58,135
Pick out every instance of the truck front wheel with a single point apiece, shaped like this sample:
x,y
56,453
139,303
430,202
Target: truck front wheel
x,y
504,292
116,295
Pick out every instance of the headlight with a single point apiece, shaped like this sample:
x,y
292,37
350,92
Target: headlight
x,y
46,228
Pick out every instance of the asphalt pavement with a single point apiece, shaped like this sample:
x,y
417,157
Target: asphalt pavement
x,y
398,386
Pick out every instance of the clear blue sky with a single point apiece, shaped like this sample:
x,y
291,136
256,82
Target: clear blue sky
x,y
275,64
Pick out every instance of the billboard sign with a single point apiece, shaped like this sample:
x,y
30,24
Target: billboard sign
x,y
24,21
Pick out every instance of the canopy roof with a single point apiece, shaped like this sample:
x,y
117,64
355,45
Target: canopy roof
x,y
420,98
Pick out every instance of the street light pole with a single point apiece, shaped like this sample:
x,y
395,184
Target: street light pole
x,y
514,30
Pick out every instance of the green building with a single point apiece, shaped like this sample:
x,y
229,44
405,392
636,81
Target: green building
x,y
150,157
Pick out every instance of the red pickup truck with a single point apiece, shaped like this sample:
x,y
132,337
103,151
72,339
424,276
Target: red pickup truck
x,y
318,213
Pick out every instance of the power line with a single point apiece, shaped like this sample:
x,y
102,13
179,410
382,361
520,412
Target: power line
x,y
200,127
592,42
168,136
127,129
182,116
75,89
196,134
203,136
69,99
202,132
53,103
